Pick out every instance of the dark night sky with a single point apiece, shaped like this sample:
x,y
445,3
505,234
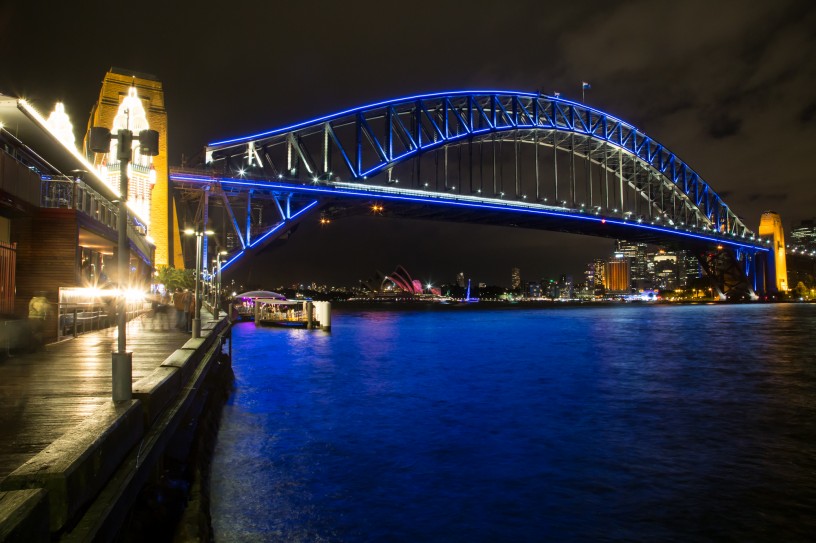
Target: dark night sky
x,y
728,86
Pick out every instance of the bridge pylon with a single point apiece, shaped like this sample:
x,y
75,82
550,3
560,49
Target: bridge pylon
x,y
733,272
770,226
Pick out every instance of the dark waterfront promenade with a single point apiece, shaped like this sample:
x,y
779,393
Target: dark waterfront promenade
x,y
73,461
44,394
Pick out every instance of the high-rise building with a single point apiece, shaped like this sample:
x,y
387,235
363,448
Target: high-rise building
x,y
460,279
136,101
595,274
566,285
804,235
666,273
515,279
589,274
689,268
617,278
635,254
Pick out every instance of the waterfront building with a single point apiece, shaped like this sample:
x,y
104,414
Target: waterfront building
x,y
58,219
397,282
533,289
553,291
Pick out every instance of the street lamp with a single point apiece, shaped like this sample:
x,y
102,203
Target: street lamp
x,y
217,304
197,318
100,138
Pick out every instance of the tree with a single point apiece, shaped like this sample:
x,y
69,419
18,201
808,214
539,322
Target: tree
x,y
801,291
173,278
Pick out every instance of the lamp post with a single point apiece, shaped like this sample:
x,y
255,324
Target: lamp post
x,y
217,304
197,315
100,138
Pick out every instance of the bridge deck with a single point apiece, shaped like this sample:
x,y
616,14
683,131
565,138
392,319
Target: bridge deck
x,y
43,394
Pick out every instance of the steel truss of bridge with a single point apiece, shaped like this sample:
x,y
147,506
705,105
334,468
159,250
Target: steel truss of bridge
x,y
490,157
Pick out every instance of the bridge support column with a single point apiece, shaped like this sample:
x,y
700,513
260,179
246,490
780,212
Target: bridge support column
x,y
727,270
770,226
205,217
249,219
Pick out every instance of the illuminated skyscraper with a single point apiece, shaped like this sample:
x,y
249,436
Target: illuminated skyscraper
x,y
595,274
515,279
804,235
635,254
617,279
665,270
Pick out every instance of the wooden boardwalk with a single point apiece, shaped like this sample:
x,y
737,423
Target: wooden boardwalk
x,y
44,394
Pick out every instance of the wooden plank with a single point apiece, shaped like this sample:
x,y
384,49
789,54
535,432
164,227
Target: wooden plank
x,y
44,394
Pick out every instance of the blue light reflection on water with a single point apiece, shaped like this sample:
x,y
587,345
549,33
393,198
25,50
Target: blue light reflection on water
x,y
598,424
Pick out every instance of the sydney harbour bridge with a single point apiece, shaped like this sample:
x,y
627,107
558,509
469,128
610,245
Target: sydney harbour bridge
x,y
488,157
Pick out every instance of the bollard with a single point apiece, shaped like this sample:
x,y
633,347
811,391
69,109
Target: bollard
x,y
327,316
324,315
122,376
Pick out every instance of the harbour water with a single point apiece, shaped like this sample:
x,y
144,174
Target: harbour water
x,y
623,423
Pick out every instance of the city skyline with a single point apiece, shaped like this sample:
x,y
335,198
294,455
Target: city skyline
x,y
716,100
647,266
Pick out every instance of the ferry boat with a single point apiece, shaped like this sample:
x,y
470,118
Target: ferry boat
x,y
268,308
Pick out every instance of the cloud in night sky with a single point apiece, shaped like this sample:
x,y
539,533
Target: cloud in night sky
x,y
728,86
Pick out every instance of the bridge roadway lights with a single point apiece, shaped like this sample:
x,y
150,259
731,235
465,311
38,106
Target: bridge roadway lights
x,y
122,372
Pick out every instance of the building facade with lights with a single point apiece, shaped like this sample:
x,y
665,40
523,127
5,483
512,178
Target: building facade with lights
x,y
616,276
804,235
515,279
58,220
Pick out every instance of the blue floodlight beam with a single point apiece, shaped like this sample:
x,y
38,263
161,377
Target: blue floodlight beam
x,y
440,199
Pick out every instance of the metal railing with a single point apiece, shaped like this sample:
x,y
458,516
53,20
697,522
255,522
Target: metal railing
x,y
75,318
67,194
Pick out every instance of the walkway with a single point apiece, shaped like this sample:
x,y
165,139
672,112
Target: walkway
x,y
44,394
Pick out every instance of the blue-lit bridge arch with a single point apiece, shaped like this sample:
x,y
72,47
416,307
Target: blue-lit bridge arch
x,y
369,142
508,158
